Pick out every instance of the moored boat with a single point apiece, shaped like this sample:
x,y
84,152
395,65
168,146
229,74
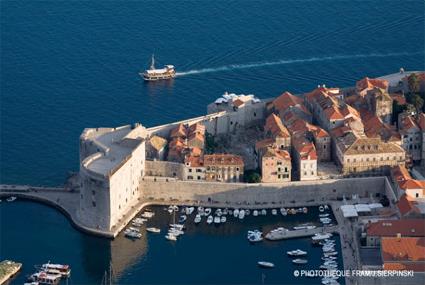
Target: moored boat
x,y
153,230
223,219
11,199
62,269
197,219
217,220
297,252
241,214
276,234
265,264
274,212
210,219
171,237
44,278
299,261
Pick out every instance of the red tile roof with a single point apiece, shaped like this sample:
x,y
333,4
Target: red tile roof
x,y
305,148
400,174
394,249
412,184
264,143
421,121
273,152
285,101
390,228
405,205
332,113
401,100
179,131
194,161
275,127
368,83
238,102
415,266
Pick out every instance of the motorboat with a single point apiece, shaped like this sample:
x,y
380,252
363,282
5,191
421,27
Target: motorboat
x,y
321,208
283,211
210,219
207,211
297,252
325,220
304,227
177,226
43,277
276,234
11,199
320,236
300,210
175,232
265,264
247,212
293,211
263,212
326,207
225,212
255,236
171,237
241,214
153,230
324,215
147,214
305,210
182,219
189,210
137,225
217,220
218,212
139,220
230,212
223,219
62,269
255,213
133,229
332,253
172,208
235,213
132,234
153,74
300,261
274,212
200,210
197,219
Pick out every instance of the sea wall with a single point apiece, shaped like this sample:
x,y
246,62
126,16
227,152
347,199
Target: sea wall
x,y
299,192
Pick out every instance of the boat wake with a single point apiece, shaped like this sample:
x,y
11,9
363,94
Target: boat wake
x,y
290,61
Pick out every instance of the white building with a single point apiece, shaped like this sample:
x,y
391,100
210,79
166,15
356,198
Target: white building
x,y
112,163
411,136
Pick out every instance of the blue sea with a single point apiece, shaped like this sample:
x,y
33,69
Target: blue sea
x,y
68,65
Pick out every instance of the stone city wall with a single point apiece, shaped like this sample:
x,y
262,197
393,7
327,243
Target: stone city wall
x,y
300,192
164,169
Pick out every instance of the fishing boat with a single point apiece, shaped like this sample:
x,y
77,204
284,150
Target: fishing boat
x,y
265,264
153,74
274,212
255,213
62,269
241,214
44,278
171,237
299,261
217,220
223,219
210,219
11,199
197,219
153,230
297,252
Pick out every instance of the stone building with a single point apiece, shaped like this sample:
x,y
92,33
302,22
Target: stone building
x,y
276,130
186,140
194,168
360,155
223,167
391,228
155,148
411,136
275,166
289,103
304,158
421,124
112,164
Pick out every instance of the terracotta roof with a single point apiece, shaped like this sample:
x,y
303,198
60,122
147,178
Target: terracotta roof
x,y
275,127
194,161
223,159
157,142
368,83
352,144
305,149
179,131
408,123
264,143
421,121
177,143
196,136
238,102
195,151
400,174
375,127
390,228
415,266
410,249
412,184
273,152
405,205
332,113
401,100
196,128
286,100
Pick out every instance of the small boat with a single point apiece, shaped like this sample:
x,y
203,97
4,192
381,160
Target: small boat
x,y
217,220
147,214
247,212
255,236
300,210
332,253
11,199
171,237
133,229
175,232
283,211
137,225
223,219
241,214
235,213
321,208
297,252
305,210
132,234
225,212
293,211
318,237
274,212
62,269
218,212
182,219
153,230
255,213
324,215
189,210
277,234
265,264
139,220
177,226
299,261
31,283
329,258
263,212
210,219
200,210
197,219
326,207
207,211
304,227
43,277
230,212
153,74
325,220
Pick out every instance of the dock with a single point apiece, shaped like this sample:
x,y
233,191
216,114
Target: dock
x,y
8,270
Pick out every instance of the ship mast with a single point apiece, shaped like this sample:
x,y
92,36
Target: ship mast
x,y
153,62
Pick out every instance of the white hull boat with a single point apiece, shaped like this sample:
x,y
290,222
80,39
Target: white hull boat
x,y
274,212
11,199
297,252
153,230
255,213
241,214
299,261
217,220
223,219
171,237
210,219
264,212
265,264
198,219
235,213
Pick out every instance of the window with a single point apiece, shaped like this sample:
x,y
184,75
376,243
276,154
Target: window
x,y
286,169
190,169
93,203
324,146
237,168
312,173
198,170
417,195
278,176
199,177
255,114
93,192
190,177
278,169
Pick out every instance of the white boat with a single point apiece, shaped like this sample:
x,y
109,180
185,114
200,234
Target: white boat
x,y
326,207
235,213
11,199
217,220
189,210
153,230
201,210
299,261
225,211
45,278
325,220
171,237
255,236
62,269
304,227
132,234
207,211
137,225
332,253
218,212
147,214
210,219
263,212
177,226
276,234
265,264
321,208
230,212
139,220
320,236
297,252
305,210
329,258
175,232
133,229
153,74
274,212
182,219
223,219
284,212
197,219
241,214
324,215
247,212
255,213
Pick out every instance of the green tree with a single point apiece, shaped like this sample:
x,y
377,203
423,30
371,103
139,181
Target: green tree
x,y
252,176
397,109
210,143
418,102
413,83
